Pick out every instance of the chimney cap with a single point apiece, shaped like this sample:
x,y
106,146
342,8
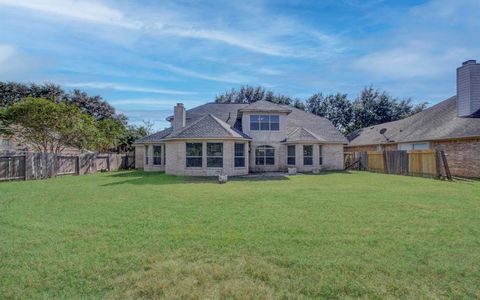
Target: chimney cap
x,y
179,104
469,62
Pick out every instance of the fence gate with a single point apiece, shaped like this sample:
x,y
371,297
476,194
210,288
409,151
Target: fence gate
x,y
12,167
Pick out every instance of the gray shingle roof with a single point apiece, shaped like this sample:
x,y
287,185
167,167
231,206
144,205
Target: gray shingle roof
x,y
266,106
155,137
435,123
229,113
207,126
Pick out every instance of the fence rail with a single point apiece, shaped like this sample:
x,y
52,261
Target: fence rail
x,y
27,166
425,163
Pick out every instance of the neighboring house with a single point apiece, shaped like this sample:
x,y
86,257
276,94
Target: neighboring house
x,y
235,139
452,125
10,144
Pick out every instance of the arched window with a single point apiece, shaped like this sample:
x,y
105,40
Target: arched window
x,y
264,156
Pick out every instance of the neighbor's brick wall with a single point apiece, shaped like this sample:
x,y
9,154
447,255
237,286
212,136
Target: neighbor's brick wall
x,y
463,156
139,156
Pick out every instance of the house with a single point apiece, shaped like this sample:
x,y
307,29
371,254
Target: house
x,y
452,126
236,139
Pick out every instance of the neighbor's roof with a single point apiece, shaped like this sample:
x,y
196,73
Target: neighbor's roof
x,y
301,134
230,114
266,106
435,123
207,126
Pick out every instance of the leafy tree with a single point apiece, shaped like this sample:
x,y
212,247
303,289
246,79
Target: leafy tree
x,y
337,108
110,133
374,107
248,94
93,105
49,126
12,92
133,133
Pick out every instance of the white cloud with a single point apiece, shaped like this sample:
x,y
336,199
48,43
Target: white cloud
x,y
230,78
6,53
267,38
126,88
88,11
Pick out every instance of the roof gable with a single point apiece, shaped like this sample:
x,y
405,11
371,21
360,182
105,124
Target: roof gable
x,y
208,126
301,134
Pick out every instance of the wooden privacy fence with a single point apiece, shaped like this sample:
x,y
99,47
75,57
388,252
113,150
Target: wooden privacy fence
x,y
46,165
426,163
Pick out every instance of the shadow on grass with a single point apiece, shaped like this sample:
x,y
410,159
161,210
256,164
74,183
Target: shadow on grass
x,y
160,178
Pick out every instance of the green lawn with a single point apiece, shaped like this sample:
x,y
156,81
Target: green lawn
x,y
335,235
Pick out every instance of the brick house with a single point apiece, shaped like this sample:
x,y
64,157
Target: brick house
x,y
452,125
236,139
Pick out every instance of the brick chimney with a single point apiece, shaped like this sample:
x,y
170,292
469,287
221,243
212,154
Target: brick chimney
x,y
468,88
179,116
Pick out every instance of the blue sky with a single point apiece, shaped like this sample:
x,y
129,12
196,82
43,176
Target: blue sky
x,y
144,56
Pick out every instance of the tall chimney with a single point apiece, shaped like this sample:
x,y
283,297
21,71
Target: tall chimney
x,y
468,88
179,116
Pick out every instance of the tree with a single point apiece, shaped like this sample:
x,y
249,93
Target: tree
x,y
49,126
93,105
12,92
336,108
248,94
133,133
374,107
110,133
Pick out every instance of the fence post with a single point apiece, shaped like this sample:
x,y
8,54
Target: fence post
x,y
77,164
385,167
438,166
109,156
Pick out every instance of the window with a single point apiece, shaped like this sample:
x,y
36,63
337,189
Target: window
x,y
291,155
214,155
239,155
420,146
5,142
194,155
265,122
320,155
307,155
157,155
146,154
265,156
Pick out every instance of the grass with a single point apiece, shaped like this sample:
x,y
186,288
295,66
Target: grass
x,y
149,235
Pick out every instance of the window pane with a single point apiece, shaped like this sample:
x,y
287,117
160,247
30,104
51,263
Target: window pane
x,y
291,150
254,118
239,162
194,149
269,160
308,150
239,149
194,162
157,150
320,150
254,126
260,160
308,161
146,155
274,119
214,149
215,162
270,152
291,160
274,126
264,118
264,126
260,152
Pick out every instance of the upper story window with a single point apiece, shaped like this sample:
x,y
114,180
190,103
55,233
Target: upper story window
x,y
265,122
5,143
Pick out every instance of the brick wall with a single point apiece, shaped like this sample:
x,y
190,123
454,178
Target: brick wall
x,y
463,156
